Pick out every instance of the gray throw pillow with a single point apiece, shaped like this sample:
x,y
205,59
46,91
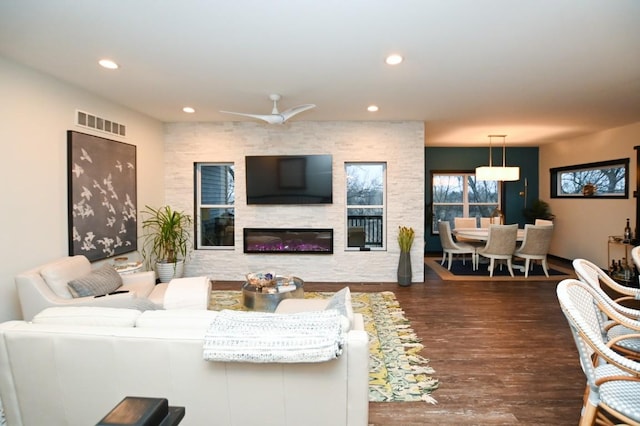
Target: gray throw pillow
x,y
101,281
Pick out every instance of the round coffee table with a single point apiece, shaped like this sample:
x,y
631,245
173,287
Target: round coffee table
x,y
266,299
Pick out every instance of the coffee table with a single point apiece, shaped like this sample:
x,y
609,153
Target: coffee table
x,y
266,299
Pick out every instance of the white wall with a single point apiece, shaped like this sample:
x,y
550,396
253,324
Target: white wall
x,y
400,144
37,110
582,226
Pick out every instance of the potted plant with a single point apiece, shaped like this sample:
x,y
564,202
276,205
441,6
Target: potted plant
x,y
539,209
166,240
405,241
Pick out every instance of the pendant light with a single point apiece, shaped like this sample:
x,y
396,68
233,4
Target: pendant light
x,y
502,173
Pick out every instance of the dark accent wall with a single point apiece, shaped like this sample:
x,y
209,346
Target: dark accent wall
x,y
467,159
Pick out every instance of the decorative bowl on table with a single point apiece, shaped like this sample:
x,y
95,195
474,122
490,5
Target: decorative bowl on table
x,y
261,279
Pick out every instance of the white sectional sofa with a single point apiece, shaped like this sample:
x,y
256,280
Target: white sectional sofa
x,y
72,368
47,285
51,285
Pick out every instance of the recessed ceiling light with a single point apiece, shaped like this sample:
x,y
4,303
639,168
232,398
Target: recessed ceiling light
x,y
394,59
108,63
372,108
188,110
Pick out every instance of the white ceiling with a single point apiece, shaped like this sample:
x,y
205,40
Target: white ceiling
x,y
536,70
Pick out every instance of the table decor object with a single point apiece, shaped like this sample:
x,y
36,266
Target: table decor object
x,y
261,279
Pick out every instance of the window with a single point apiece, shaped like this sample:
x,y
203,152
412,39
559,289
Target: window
x,y
461,195
215,198
366,210
605,179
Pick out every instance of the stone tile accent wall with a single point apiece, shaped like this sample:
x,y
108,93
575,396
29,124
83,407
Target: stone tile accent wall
x,y
399,144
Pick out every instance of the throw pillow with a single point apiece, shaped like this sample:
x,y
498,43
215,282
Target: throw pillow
x,y
88,315
58,274
101,281
341,301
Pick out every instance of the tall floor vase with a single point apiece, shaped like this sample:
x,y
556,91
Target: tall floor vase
x,y
404,269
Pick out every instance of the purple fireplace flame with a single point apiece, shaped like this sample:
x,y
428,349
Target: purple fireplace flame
x,y
290,240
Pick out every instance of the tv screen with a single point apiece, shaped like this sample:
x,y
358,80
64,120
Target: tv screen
x,y
289,179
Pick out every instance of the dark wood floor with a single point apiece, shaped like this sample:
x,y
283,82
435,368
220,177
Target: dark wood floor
x,y
502,351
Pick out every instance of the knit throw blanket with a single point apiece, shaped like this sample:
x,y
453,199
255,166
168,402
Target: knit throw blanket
x,y
259,337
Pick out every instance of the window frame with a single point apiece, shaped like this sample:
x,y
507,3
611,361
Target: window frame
x,y
556,173
383,207
198,245
465,197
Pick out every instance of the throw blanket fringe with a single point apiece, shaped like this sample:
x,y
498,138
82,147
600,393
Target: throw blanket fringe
x,y
261,337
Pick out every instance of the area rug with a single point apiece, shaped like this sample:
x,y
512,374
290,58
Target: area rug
x,y
464,272
397,372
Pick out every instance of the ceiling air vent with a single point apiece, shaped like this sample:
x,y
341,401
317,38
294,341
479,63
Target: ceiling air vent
x,y
84,119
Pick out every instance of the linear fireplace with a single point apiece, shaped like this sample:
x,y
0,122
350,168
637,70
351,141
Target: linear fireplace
x,y
288,240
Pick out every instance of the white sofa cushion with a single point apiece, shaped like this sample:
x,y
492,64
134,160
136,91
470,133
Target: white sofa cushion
x,y
143,304
88,315
142,288
288,306
103,280
187,293
58,274
341,301
176,318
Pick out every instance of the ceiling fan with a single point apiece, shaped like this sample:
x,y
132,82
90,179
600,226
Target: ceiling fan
x,y
276,117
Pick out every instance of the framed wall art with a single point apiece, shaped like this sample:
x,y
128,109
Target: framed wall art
x,y
102,199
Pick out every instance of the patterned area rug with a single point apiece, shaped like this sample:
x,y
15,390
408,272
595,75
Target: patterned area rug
x,y
396,370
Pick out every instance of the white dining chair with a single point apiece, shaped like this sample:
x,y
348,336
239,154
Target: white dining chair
x,y
450,247
535,246
465,222
501,243
543,222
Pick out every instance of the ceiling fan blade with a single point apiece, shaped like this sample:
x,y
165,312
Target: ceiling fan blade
x,y
275,118
269,118
295,110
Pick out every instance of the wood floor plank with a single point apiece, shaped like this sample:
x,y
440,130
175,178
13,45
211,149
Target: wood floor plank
x,y
501,350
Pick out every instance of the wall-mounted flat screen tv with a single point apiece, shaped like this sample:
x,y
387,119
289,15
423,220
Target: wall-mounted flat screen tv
x,y
289,179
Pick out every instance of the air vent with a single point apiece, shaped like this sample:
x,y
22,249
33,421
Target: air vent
x,y
90,121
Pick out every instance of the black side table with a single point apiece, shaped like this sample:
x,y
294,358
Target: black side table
x,y
140,411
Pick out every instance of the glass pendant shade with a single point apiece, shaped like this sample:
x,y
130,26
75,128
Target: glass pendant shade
x,y
502,173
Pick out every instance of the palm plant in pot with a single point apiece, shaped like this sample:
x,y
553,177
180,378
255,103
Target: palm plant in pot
x,y
539,209
166,240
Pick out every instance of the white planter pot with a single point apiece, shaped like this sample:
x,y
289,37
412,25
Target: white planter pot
x,y
168,271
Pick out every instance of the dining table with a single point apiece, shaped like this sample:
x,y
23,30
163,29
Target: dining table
x,y
481,234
